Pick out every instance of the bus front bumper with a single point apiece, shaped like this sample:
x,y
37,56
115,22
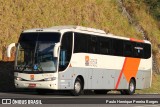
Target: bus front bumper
x,y
36,84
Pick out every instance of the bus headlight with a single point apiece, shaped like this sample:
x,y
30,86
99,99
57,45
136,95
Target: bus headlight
x,y
50,79
18,78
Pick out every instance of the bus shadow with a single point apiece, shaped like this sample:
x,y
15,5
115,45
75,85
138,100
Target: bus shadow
x,y
6,76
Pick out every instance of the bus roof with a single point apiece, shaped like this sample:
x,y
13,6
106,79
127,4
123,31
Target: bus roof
x,y
79,29
71,27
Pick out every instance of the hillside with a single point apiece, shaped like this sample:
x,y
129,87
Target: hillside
x,y
18,15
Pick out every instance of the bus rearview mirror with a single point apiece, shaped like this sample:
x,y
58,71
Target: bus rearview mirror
x,y
55,50
9,49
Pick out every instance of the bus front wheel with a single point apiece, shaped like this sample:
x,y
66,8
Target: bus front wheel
x,y
77,87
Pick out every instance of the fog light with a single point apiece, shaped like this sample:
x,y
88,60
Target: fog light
x,y
18,78
50,79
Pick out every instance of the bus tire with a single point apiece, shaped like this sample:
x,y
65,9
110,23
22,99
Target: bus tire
x,y
131,87
77,87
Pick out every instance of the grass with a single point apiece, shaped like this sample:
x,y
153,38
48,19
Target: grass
x,y
18,15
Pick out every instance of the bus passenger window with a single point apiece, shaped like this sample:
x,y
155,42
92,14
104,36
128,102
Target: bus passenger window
x,y
104,46
128,49
80,43
147,51
92,45
117,47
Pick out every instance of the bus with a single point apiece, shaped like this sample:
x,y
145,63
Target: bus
x,y
76,58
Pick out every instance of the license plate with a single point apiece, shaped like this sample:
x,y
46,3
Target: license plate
x,y
32,85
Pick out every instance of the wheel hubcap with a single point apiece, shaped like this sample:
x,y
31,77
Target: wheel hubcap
x,y
131,87
77,87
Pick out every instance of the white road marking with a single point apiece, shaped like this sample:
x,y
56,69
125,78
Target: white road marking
x,y
148,106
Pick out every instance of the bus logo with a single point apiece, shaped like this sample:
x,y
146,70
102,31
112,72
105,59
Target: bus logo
x,y
32,77
87,60
90,61
139,49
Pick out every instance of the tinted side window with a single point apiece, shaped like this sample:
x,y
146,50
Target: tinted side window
x,y
80,43
147,51
66,51
93,44
128,49
105,46
110,46
117,46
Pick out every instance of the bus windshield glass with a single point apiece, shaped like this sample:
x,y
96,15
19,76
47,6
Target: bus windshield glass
x,y
35,52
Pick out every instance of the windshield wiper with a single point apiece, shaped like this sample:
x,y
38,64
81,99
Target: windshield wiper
x,y
23,67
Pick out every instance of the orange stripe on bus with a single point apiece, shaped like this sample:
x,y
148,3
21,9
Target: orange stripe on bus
x,y
136,40
130,69
120,75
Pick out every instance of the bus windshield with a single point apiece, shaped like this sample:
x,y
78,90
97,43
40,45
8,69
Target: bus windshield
x,y
35,52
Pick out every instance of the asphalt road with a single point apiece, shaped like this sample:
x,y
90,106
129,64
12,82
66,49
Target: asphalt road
x,y
67,95
65,98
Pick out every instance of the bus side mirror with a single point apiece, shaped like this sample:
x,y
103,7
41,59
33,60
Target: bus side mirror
x,y
9,49
55,50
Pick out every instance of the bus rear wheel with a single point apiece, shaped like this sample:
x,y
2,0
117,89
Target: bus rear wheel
x,y
131,88
77,87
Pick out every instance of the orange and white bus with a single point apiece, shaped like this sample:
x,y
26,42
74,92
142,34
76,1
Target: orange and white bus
x,y
78,58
